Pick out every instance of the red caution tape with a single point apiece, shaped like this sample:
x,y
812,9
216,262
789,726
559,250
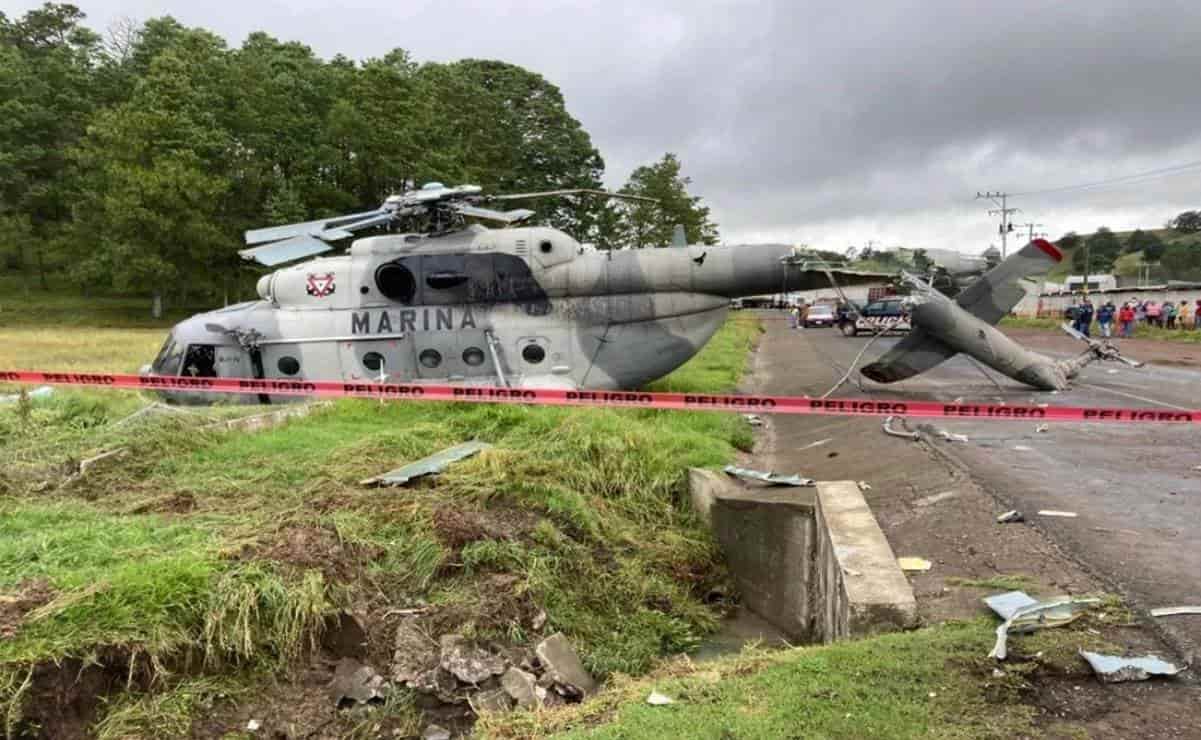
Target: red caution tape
x,y
621,399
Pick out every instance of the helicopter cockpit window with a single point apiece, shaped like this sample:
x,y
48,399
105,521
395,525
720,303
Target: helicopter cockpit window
x,y
167,362
200,361
396,282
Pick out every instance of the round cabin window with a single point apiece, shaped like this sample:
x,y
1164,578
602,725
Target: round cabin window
x,y
288,365
373,361
473,356
533,354
396,282
546,247
430,358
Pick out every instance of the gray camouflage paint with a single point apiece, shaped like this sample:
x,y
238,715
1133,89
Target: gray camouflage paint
x,y
611,320
944,327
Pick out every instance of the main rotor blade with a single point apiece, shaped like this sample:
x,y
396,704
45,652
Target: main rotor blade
x,y
347,229
305,228
287,250
573,191
507,217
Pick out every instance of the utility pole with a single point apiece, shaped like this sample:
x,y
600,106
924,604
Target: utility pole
x,y
1003,210
1031,228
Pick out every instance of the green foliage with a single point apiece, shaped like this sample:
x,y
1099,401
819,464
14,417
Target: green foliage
x,y
1101,250
1182,260
1146,242
1188,222
136,164
650,224
166,713
1069,241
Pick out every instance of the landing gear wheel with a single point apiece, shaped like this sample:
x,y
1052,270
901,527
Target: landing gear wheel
x,y
849,330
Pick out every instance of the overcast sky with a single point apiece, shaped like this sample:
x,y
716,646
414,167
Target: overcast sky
x,y
804,122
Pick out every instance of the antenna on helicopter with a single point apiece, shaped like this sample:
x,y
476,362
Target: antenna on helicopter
x,y
434,209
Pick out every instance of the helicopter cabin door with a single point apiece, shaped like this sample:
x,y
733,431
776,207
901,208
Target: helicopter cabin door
x,y
450,322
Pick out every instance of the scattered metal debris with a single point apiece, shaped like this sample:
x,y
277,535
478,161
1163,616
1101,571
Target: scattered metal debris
x,y
906,434
753,419
1009,602
1023,448
431,465
1172,611
769,477
914,564
818,443
1042,428
44,391
949,437
1115,669
1010,517
253,725
1053,512
659,700
1031,617
936,498
864,486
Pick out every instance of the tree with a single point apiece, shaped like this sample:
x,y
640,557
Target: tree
x,y
1188,222
1182,261
1069,241
1102,248
1146,242
152,205
46,70
651,224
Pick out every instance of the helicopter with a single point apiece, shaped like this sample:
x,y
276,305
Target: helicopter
x,y
432,295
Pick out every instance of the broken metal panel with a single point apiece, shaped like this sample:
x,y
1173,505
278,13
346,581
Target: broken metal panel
x,y
1172,611
768,477
1115,669
1036,616
433,464
1009,602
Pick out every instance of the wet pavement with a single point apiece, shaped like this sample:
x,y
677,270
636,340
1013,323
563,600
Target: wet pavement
x,y
1136,489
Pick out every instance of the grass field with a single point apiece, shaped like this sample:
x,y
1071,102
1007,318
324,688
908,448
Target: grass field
x,y
1140,332
235,547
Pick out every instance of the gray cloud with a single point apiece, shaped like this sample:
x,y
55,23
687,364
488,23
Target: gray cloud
x,y
829,124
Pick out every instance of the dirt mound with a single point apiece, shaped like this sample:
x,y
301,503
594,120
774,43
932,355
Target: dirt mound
x,y
458,527
316,548
31,594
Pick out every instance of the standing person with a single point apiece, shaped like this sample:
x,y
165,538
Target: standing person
x,y
1197,316
1140,311
1085,317
1183,319
794,315
1154,313
1126,317
804,315
1105,318
1169,315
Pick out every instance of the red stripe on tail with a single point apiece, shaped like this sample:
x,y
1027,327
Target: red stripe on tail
x,y
1050,249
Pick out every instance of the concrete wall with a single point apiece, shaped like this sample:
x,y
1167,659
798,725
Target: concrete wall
x,y
1053,305
812,562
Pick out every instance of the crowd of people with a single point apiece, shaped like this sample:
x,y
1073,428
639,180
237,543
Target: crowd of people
x,y
1181,316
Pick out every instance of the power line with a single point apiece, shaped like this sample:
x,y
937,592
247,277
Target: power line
x,y
1150,174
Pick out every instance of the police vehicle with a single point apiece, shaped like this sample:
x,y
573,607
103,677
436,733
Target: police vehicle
x,y
888,315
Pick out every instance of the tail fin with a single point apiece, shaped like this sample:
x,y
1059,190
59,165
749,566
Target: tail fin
x,y
993,296
989,299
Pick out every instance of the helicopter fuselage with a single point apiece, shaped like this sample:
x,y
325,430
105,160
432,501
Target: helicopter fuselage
x,y
520,307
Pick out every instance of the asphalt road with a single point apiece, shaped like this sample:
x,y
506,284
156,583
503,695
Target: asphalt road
x,y
1136,489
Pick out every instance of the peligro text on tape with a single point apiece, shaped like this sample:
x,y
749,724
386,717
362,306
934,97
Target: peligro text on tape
x,y
626,399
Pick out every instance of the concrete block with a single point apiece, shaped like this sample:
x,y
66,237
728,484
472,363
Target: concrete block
x,y
860,588
705,486
767,535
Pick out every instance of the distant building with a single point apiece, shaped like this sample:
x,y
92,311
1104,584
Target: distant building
x,y
1075,283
